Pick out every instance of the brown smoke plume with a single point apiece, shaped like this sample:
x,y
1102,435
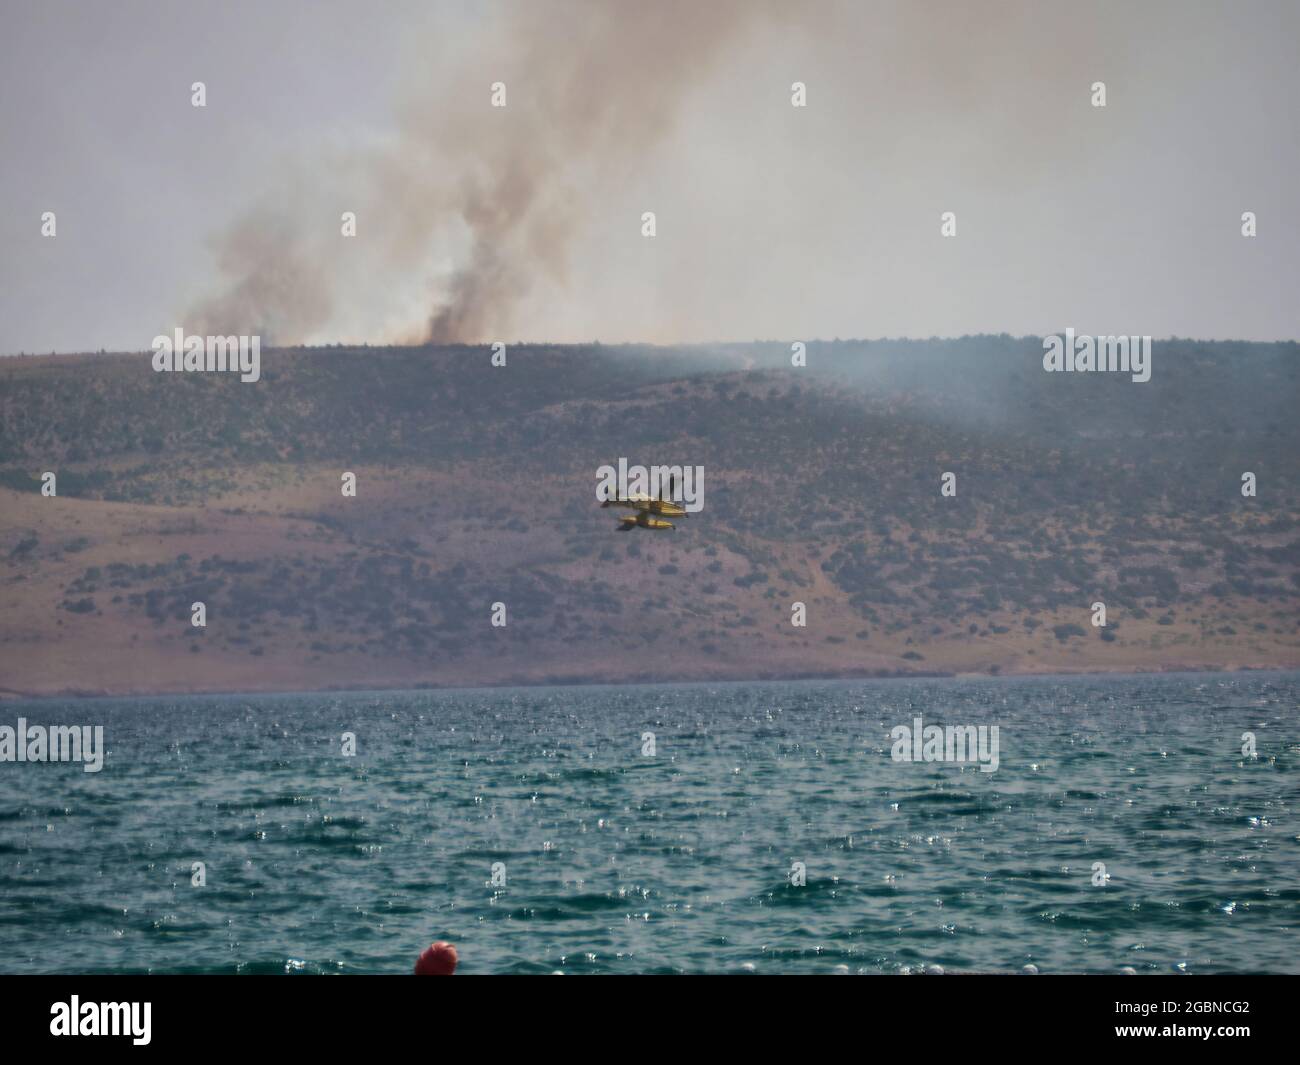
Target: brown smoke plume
x,y
494,195
468,214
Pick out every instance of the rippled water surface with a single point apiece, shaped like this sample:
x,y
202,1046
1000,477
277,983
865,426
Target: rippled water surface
x,y
615,861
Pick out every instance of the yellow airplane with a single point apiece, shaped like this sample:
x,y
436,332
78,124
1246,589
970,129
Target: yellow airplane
x,y
646,506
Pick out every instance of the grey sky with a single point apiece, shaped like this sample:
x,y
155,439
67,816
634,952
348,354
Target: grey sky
x,y
773,222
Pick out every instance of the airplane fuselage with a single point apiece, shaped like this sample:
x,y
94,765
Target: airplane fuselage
x,y
648,504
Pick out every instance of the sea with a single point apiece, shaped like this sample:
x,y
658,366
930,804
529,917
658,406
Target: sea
x,y
1143,823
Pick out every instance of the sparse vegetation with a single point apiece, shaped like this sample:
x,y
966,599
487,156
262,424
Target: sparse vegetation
x,y
819,487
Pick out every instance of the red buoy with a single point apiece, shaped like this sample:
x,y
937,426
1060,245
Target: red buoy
x,y
438,960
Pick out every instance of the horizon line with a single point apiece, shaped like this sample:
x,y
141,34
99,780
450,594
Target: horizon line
x,y
662,345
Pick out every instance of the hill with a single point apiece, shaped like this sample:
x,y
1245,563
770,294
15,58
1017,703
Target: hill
x,y
476,485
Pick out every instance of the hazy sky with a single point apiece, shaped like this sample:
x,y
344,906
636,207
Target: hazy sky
x,y
525,222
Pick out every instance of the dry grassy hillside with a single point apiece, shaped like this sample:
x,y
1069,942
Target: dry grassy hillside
x,y
476,485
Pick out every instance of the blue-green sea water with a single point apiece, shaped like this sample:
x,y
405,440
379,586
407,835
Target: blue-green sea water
x,y
618,861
